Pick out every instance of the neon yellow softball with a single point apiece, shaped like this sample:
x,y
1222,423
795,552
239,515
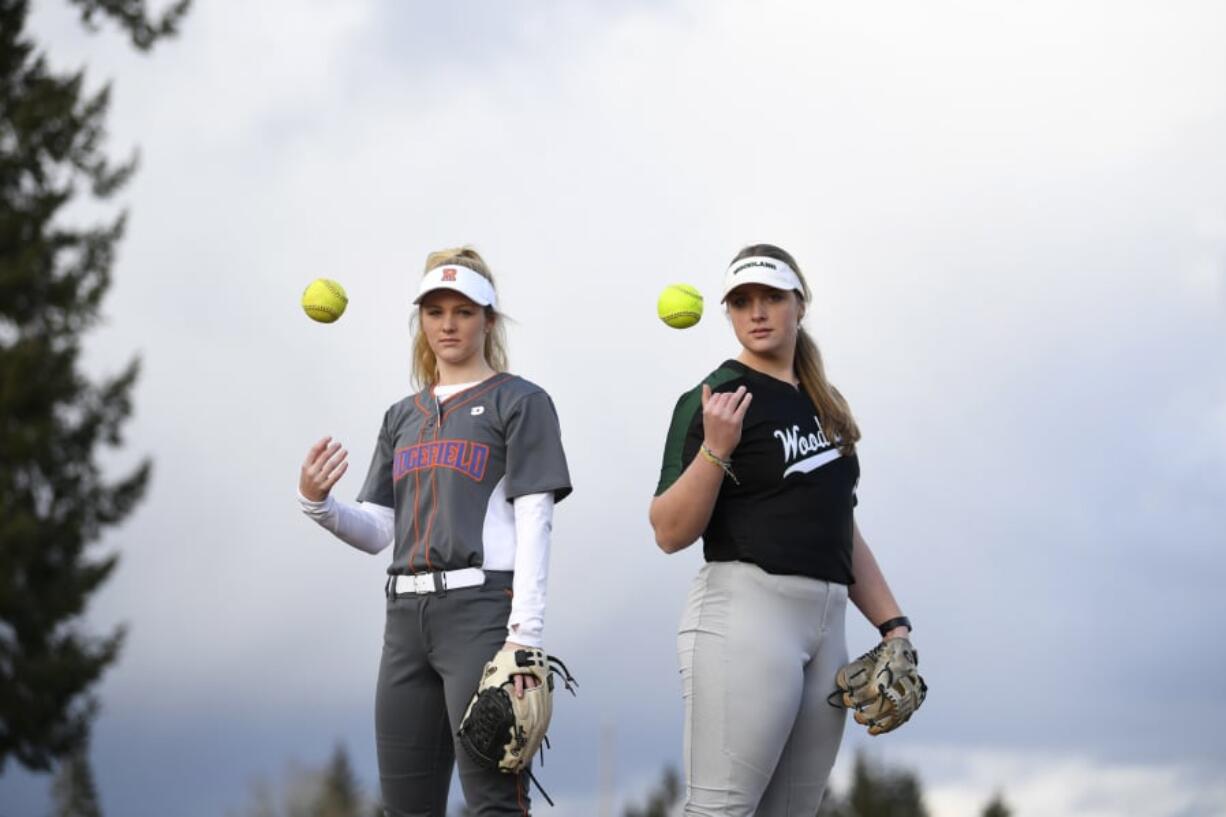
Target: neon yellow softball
x,y
324,300
680,306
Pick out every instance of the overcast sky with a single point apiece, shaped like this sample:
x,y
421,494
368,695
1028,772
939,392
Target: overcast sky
x,y
1013,217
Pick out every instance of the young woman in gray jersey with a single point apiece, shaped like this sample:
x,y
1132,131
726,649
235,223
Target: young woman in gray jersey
x,y
462,483
760,461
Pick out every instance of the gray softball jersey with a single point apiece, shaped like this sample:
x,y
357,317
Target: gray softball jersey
x,y
451,469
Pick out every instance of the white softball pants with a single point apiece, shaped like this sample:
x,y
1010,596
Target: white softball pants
x,y
758,655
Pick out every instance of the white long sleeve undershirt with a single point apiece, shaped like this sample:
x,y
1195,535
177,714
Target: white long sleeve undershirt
x,y
367,526
533,526
370,527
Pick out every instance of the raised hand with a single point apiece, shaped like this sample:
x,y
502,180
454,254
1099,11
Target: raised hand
x,y
722,416
325,464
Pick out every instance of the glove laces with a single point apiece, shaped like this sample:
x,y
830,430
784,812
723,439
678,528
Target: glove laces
x,y
558,668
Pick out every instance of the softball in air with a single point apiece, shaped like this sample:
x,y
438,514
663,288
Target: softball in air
x,y
324,300
680,306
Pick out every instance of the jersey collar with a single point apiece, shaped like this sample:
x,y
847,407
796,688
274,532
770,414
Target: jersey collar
x,y
759,377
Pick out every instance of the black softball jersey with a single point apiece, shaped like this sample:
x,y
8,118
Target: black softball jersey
x,y
792,511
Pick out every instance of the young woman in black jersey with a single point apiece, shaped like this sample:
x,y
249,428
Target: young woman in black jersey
x,y
761,463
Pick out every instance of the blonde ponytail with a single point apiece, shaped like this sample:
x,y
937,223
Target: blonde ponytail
x,y
832,409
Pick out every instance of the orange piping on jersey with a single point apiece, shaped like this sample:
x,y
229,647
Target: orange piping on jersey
x,y
494,381
433,472
416,488
420,407
430,518
519,793
433,489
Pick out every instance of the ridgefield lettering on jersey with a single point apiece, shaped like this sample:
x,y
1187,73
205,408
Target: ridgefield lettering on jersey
x,y
815,449
465,456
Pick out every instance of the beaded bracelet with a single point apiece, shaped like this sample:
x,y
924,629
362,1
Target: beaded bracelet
x,y
726,465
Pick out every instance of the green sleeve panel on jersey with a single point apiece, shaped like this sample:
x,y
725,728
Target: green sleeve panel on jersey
x,y
674,445
685,425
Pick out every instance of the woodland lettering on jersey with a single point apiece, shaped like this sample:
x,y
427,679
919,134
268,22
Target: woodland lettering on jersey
x,y
803,453
465,456
796,444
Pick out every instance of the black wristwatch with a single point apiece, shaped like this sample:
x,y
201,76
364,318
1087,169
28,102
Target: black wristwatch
x,y
885,626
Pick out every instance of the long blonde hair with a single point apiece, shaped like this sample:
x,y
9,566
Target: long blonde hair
x,y
832,409
425,365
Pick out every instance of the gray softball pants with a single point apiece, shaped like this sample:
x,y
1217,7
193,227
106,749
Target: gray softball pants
x,y
434,648
758,655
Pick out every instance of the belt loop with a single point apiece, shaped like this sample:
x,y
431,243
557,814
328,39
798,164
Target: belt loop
x,y
440,583
387,587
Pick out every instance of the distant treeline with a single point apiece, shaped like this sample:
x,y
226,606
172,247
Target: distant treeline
x,y
875,790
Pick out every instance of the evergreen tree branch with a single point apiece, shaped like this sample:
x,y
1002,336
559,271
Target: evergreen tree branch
x,y
133,17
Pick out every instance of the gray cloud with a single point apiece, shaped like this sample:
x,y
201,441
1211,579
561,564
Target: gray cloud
x,y
1014,226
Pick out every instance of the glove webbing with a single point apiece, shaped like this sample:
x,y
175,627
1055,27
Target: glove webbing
x,y
483,735
835,698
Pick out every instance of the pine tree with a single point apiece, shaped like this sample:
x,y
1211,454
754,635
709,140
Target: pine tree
x,y
996,807
662,799
307,791
339,794
73,793
876,792
133,17
54,500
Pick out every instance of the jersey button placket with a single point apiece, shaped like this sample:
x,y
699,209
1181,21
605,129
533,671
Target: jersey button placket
x,y
433,424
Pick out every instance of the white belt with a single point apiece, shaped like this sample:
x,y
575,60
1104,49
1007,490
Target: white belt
x,y
437,581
